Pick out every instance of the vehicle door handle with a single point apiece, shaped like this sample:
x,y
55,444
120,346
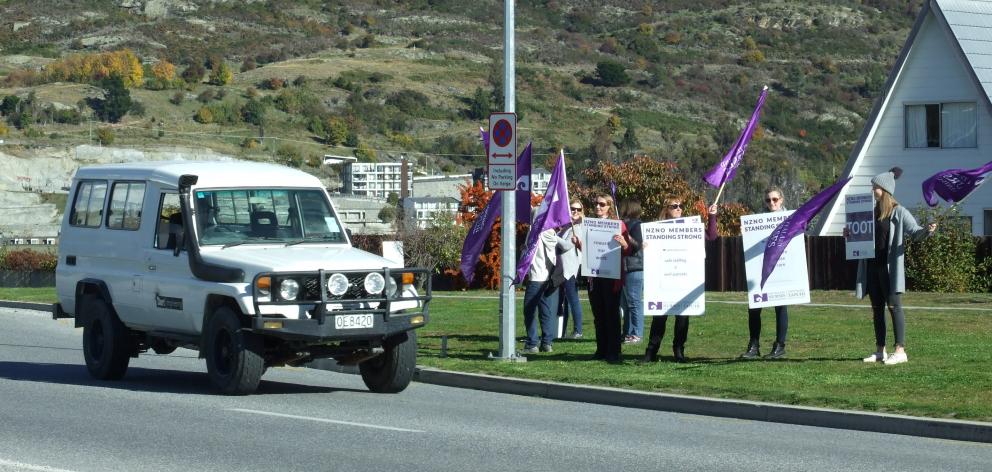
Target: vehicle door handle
x,y
151,267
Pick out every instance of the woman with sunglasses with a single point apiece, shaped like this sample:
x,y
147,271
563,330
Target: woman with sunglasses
x,y
773,202
568,294
673,209
604,294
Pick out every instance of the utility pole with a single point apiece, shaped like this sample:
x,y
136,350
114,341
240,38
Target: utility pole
x,y
508,232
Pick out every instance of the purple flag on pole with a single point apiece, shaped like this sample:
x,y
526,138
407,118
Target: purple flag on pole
x,y
482,227
793,225
613,191
727,167
552,213
954,185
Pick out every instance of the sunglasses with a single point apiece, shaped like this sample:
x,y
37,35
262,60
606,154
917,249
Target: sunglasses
x,y
576,209
602,204
773,199
675,206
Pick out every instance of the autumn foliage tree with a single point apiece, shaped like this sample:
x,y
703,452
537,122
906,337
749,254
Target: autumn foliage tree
x,y
89,68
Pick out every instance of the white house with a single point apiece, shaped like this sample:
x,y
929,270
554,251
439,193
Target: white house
x,y
934,113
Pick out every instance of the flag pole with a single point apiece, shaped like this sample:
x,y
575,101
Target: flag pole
x,y
718,193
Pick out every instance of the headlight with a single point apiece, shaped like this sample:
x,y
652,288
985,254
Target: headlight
x,y
289,289
390,287
374,283
337,284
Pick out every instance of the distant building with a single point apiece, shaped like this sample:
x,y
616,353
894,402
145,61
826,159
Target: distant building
x,y
361,214
440,185
373,179
423,211
933,114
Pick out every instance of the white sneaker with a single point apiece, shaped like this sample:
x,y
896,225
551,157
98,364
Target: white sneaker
x,y
876,357
896,358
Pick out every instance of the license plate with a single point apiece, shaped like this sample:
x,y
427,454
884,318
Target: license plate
x,y
353,321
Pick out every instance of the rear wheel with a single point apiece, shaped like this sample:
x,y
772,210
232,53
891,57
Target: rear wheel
x,y
234,355
392,371
107,343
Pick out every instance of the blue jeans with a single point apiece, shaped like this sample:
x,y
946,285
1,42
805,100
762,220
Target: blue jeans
x,y
568,299
633,294
542,298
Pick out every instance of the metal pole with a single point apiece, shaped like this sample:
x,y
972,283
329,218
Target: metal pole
x,y
508,233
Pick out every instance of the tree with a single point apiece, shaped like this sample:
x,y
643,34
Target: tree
x,y
480,106
105,136
611,74
116,100
194,73
387,214
253,112
164,71
221,74
393,198
630,142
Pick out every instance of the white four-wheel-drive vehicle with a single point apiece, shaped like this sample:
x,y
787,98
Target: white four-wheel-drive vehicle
x,y
245,262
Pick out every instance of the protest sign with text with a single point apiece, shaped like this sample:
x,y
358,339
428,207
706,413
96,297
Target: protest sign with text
x,y
860,222
602,253
674,268
789,283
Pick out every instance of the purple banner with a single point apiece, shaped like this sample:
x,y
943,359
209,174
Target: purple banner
x,y
793,225
727,167
523,194
552,213
954,185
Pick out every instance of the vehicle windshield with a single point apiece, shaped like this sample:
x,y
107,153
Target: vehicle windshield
x,y
232,217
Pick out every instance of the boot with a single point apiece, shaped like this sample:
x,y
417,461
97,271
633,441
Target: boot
x,y
753,352
679,353
649,357
778,350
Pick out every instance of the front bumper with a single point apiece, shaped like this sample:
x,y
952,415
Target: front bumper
x,y
323,325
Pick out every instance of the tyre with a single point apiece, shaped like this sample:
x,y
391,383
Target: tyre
x,y
107,343
391,371
234,355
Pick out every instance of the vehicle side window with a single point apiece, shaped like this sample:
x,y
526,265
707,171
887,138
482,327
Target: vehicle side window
x,y
126,199
169,217
87,208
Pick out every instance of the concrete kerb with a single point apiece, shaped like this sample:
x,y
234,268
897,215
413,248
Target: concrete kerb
x,y
739,409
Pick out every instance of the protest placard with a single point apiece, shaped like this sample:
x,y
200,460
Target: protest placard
x,y
602,253
674,268
860,223
789,283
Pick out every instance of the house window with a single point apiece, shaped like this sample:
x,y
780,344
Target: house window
x,y
942,125
988,222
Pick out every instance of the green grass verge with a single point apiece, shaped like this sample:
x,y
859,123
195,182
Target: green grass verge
x,y
947,375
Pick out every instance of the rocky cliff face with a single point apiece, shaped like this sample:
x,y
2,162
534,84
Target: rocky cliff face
x,y
28,174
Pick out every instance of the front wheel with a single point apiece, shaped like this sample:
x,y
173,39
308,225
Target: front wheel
x,y
107,344
234,355
392,371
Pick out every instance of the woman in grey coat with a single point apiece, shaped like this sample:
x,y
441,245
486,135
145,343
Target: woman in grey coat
x,y
884,277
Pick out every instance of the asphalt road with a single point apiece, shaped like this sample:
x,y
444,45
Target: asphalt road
x,y
163,416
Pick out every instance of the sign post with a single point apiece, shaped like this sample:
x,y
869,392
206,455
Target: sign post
x,y
502,154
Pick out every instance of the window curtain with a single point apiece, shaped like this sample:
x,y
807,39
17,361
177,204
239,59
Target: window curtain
x,y
916,126
958,125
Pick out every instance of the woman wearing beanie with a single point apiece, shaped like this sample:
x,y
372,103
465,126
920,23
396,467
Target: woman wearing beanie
x,y
884,277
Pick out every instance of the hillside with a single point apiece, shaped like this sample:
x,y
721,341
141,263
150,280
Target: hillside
x,y
381,78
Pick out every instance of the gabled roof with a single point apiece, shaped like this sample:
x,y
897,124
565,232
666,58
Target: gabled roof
x,y
968,25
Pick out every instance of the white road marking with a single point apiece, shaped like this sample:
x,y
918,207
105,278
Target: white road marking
x,y
23,466
324,420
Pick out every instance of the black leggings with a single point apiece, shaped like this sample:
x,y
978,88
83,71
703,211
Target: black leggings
x,y
781,323
880,295
658,332
606,317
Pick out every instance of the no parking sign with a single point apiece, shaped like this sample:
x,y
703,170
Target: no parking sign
x,y
502,151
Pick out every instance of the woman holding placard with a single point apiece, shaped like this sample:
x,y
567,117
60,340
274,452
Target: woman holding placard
x,y
884,277
774,201
604,293
673,209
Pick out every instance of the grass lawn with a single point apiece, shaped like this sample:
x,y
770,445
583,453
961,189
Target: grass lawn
x,y
948,375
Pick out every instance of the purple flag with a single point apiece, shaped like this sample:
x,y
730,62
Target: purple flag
x,y
727,167
793,225
552,213
954,185
613,191
482,227
523,194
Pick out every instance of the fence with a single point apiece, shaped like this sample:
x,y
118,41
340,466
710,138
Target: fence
x,y
825,259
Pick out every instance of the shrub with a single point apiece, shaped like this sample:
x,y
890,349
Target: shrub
x,y
273,83
611,74
28,259
105,136
945,262
205,96
290,156
177,98
204,115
